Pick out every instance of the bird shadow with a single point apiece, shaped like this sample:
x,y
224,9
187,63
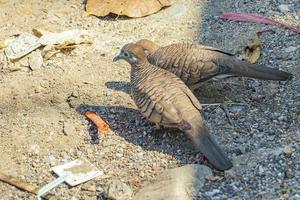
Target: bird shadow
x,y
119,86
208,93
129,124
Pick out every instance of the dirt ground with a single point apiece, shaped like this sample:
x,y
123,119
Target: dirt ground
x,y
41,121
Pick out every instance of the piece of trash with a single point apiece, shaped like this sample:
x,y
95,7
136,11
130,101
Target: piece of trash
x,y
255,18
25,43
51,185
253,50
75,36
98,121
5,43
61,42
35,60
21,46
79,171
130,8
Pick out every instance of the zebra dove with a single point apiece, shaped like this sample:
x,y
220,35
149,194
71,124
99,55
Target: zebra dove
x,y
165,100
196,63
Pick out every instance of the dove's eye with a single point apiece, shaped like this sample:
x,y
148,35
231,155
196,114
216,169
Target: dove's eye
x,y
126,54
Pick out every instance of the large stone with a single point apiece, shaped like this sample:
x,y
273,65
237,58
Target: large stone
x,y
117,190
181,183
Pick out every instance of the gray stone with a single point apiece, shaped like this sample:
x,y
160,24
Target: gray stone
x,y
181,183
295,197
35,60
261,170
142,174
290,49
284,8
117,190
68,128
213,192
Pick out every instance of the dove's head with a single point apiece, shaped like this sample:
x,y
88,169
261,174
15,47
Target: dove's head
x,y
132,53
149,47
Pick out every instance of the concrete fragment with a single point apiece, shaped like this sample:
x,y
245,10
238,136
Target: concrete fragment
x,y
181,183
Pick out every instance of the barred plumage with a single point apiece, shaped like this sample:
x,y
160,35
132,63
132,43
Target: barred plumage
x,y
165,100
196,63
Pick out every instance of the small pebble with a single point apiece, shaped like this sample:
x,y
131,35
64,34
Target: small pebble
x,y
284,8
89,186
290,49
142,174
213,192
140,155
289,173
288,151
261,170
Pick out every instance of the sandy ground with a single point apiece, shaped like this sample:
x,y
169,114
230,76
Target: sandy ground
x,y
35,106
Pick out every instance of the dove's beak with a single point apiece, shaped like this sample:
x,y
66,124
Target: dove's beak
x,y
118,57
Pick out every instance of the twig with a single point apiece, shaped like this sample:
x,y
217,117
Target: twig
x,y
23,185
227,115
223,107
18,183
225,103
241,131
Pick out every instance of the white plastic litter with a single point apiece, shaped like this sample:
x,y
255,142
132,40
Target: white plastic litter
x,y
80,170
21,46
58,38
50,186
73,173
26,43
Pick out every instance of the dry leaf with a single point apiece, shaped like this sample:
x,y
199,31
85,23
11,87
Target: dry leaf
x,y
47,55
130,8
38,32
252,50
69,44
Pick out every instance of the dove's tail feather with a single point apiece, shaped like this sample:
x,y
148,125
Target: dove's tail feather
x,y
242,68
212,151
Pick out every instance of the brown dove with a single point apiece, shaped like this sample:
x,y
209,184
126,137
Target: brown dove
x,y
196,63
165,100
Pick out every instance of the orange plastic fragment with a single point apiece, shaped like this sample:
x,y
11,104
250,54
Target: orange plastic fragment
x,y
98,121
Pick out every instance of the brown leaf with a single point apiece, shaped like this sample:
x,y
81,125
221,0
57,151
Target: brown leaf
x,y
252,50
130,8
